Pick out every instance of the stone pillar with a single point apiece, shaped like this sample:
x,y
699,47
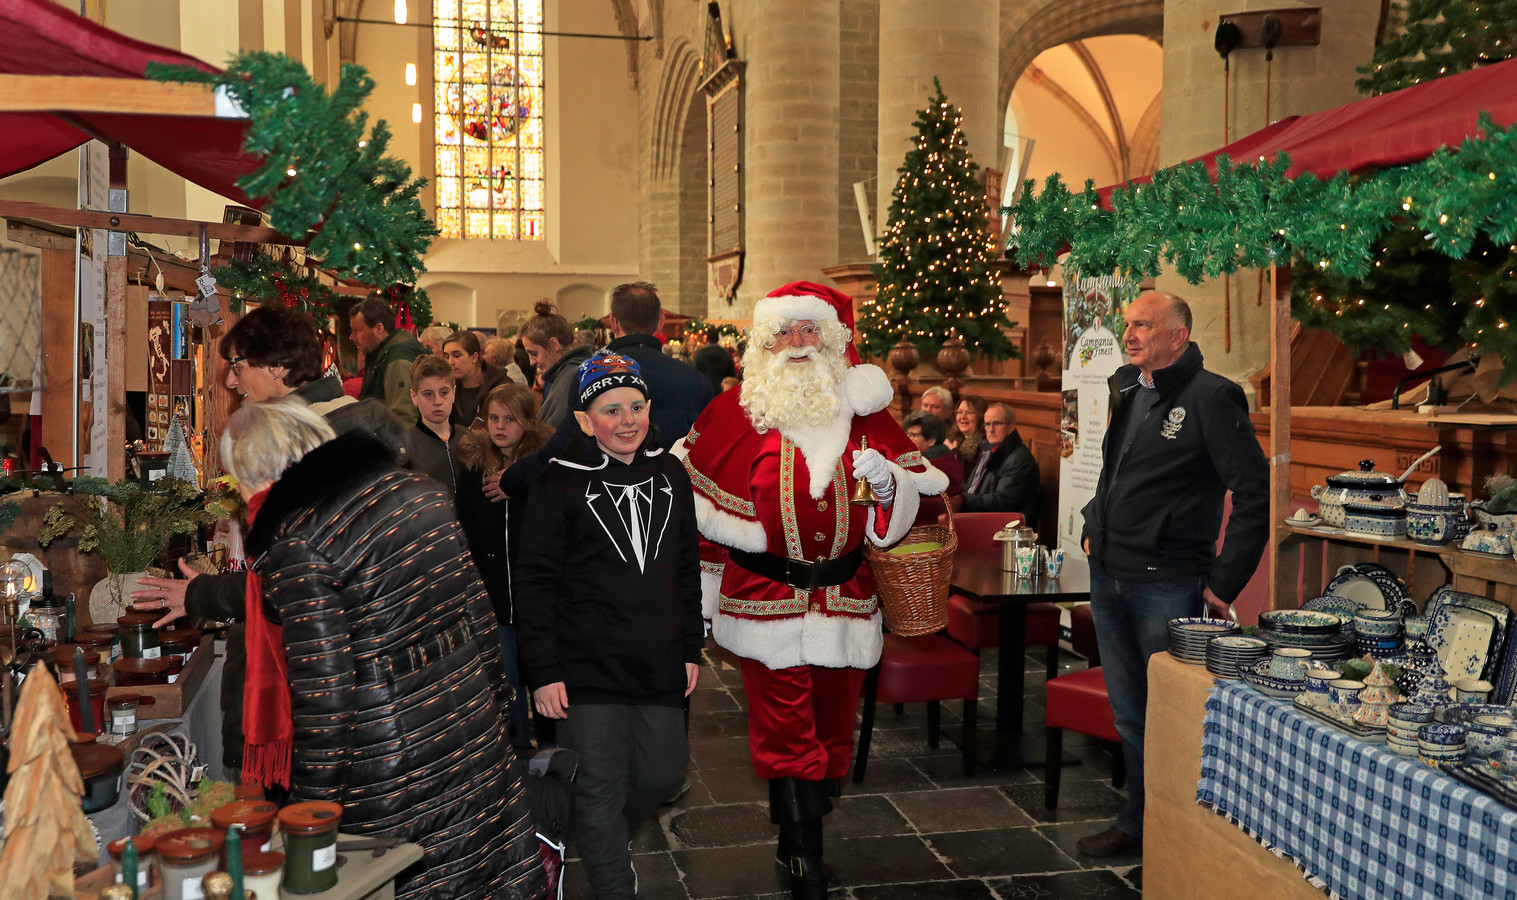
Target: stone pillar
x,y
790,184
957,42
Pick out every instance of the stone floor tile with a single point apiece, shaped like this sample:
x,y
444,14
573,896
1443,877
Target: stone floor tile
x,y
884,776
1079,801
1067,834
730,723
731,872
720,752
958,889
865,816
705,700
999,851
734,784
1102,884
883,860
948,771
729,825
961,809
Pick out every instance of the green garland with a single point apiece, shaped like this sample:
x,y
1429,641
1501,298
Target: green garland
x,y
265,278
699,325
10,511
1250,216
323,167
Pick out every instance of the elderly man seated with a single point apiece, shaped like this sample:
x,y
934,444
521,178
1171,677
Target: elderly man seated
x,y
1005,477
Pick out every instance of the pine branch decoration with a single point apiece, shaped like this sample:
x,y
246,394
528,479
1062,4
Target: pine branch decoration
x,y
323,167
1430,39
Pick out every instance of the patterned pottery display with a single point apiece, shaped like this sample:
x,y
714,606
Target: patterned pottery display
x,y
1380,522
1433,526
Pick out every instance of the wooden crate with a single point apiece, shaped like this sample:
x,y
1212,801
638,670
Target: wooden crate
x,y
171,700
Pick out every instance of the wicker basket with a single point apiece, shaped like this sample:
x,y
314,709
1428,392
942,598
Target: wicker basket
x,y
913,587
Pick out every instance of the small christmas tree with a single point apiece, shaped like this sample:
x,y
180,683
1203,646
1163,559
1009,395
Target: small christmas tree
x,y
45,831
181,461
1428,39
935,272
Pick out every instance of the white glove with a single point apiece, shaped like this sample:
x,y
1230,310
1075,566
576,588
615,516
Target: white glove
x,y
869,465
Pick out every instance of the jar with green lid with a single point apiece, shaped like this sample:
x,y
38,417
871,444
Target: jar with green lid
x,y
310,846
185,857
139,639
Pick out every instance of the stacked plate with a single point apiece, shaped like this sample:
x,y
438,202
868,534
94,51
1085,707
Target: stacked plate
x,y
1188,637
1224,655
1257,674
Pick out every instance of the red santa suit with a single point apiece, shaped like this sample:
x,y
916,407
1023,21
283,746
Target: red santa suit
x,y
786,493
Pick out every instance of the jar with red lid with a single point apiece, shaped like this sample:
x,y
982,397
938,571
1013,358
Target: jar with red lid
x,y
186,856
310,846
253,819
98,687
147,859
252,790
100,767
261,873
139,672
182,641
63,655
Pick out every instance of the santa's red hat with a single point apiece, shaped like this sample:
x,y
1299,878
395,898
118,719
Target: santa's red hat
x,y
809,300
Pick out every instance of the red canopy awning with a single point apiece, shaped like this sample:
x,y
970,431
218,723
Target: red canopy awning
x,y
38,37
1392,129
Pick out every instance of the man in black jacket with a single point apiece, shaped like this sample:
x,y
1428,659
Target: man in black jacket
x,y
677,390
1178,440
1005,479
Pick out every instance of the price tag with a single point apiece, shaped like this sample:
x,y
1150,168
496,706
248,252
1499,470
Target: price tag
x,y
1412,360
207,284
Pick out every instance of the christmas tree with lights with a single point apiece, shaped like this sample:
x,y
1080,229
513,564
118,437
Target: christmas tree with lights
x,y
935,273
1432,38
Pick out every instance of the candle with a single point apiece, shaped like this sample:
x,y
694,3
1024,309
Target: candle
x,y
234,860
82,691
128,853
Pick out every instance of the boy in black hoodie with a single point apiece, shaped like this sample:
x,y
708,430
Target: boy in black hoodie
x,y
609,614
432,445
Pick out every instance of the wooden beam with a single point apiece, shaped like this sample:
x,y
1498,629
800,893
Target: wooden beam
x,y
84,218
1282,576
87,94
59,368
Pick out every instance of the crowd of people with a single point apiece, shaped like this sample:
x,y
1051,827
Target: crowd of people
x,y
445,573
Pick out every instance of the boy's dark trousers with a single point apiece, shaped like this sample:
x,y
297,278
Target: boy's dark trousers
x,y
630,759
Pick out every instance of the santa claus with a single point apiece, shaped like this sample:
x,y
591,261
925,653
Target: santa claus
x,y
774,466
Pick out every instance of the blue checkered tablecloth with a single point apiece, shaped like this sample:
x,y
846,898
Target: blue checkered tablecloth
x,y
1358,820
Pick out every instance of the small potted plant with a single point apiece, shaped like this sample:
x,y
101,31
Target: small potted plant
x,y
130,526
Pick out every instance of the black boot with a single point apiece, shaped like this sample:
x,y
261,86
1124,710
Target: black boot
x,y
797,807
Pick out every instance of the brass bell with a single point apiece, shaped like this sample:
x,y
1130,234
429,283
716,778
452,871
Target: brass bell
x,y
863,492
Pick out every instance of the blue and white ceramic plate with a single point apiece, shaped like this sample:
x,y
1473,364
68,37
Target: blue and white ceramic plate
x,y
1343,607
1392,588
1357,586
1463,639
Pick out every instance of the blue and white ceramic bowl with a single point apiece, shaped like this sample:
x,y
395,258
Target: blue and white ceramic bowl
x,y
1300,621
1410,714
1487,735
1437,735
1377,624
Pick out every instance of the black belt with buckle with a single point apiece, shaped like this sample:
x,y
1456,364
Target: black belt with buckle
x,y
799,573
415,657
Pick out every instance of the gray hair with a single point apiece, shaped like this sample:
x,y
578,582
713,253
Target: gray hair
x,y
261,440
437,334
941,393
1011,414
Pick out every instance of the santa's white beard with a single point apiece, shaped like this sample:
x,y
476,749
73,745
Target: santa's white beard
x,y
780,393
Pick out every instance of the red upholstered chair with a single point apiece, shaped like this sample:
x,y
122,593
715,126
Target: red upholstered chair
x,y
926,669
1078,701
930,512
1082,629
976,625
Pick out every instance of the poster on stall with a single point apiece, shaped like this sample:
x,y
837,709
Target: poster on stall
x,y
94,193
1094,310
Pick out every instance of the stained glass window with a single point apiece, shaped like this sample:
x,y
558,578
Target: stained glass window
x,y
488,61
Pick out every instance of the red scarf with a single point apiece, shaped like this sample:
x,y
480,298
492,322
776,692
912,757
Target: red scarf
x,y
268,726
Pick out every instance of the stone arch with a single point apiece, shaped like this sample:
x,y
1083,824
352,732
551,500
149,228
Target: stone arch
x,y
453,301
677,87
1145,140
1029,28
580,299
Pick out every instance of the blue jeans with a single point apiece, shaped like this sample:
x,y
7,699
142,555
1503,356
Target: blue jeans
x,y
1132,624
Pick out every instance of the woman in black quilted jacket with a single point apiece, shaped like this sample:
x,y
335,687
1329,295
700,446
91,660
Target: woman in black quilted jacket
x,y
392,700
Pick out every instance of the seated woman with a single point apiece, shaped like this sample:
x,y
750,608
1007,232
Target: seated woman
x,y
374,675
968,436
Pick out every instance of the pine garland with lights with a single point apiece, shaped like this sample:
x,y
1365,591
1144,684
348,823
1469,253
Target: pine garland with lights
x,y
1460,203
935,274
323,167
265,278
1428,39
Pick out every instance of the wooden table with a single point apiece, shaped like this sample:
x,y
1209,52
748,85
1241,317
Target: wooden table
x,y
977,574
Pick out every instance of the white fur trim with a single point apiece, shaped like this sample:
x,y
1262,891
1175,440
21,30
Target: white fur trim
x,y
822,445
794,306
711,593
814,639
867,388
903,509
679,451
932,481
722,527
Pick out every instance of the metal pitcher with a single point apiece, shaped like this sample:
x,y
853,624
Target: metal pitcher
x,y
1014,537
